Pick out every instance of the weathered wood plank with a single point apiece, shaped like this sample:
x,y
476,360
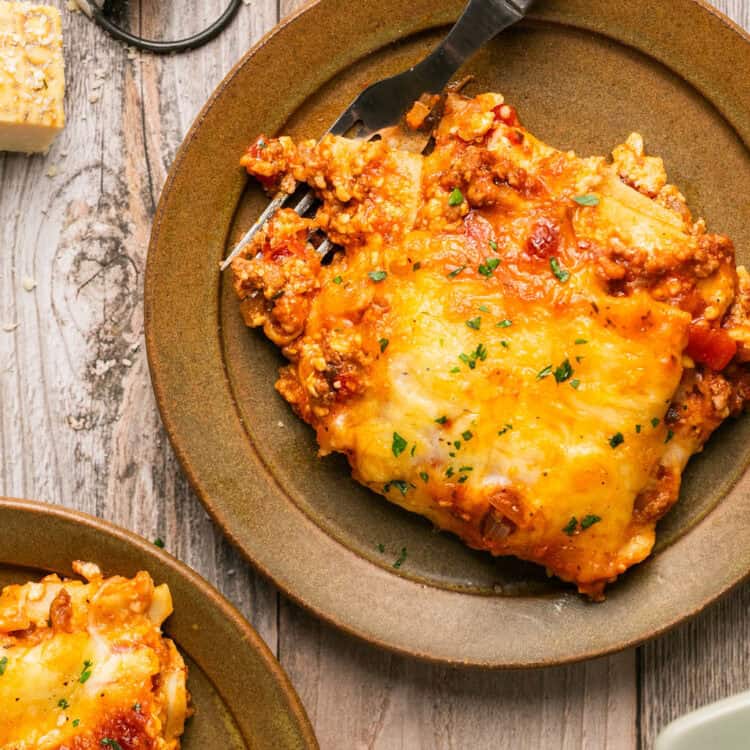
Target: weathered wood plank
x,y
78,424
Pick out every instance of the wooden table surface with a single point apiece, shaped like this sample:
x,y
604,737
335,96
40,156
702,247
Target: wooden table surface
x,y
79,426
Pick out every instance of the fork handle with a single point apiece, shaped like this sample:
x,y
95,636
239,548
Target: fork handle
x,y
480,21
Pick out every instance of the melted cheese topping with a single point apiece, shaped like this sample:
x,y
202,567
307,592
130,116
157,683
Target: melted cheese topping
x,y
83,663
520,344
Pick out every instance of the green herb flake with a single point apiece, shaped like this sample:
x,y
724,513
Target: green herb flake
x,y
544,372
655,422
400,485
455,369
484,308
457,445
137,707
401,559
413,450
637,428
571,526
472,363
481,352
383,344
456,198
561,274
399,445
467,435
466,468
3,665
456,271
62,703
488,267
462,479
381,548
449,472
76,722
589,520
563,372
474,323
587,200
617,439
337,279
86,671
504,324
377,276
107,742
159,542
424,476
442,420
578,342
670,435
504,344
575,384
505,429
493,245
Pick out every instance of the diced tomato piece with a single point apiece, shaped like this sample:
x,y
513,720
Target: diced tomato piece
x,y
713,347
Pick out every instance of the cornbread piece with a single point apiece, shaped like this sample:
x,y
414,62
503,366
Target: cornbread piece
x,y
522,345
32,78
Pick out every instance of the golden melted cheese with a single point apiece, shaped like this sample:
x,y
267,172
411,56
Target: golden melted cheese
x,y
84,663
520,344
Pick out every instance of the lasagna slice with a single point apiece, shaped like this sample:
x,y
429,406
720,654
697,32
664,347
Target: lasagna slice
x,y
85,665
520,344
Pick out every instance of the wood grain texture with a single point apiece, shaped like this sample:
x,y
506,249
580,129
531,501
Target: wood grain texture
x,y
78,425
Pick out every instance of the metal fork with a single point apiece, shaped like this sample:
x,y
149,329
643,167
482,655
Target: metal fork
x,y
384,103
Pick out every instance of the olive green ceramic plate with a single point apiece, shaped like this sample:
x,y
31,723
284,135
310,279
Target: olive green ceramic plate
x,y
583,75
242,697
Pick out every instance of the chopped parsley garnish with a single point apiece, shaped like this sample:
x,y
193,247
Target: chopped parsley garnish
x,y
62,703
442,420
399,484
462,479
424,476
377,276
563,372
575,384
544,373
488,267
413,450
467,435
616,439
637,428
589,520
455,369
137,707
571,526
578,342
484,308
474,323
562,274
456,198
159,542
399,445
457,445
655,422
504,344
449,472
504,324
416,266
3,665
493,245
456,271
670,435
107,742
76,722
337,279
466,468
86,671
401,559
470,360
507,427
383,344
587,200
381,548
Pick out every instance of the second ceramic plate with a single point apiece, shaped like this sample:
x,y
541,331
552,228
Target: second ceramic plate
x,y
583,75
242,698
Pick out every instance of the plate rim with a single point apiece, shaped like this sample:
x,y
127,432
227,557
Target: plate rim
x,y
246,632
158,378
